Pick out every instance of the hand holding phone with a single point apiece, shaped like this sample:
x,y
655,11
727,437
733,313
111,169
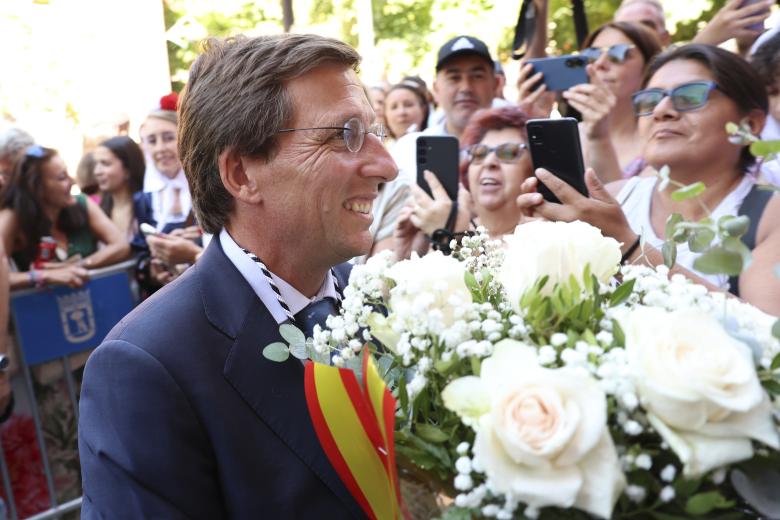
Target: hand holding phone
x,y
555,146
561,72
148,229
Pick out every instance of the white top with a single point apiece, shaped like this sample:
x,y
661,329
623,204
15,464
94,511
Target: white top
x,y
635,198
162,190
254,276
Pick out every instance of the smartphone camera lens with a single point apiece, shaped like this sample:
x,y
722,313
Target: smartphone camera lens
x,y
573,63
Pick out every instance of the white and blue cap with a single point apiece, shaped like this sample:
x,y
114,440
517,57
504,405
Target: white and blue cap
x,y
461,45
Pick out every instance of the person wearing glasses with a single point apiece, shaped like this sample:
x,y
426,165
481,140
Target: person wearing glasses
x,y
496,163
619,53
280,146
689,95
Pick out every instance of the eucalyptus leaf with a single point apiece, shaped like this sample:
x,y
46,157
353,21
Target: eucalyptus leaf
x,y
732,128
671,224
758,485
735,226
719,260
700,240
318,357
278,352
736,245
299,351
430,433
688,192
292,334
669,252
772,386
764,148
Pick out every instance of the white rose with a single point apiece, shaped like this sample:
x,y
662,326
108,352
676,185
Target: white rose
x,y
699,387
558,250
542,433
434,281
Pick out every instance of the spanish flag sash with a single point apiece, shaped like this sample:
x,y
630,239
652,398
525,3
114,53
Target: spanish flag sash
x,y
354,424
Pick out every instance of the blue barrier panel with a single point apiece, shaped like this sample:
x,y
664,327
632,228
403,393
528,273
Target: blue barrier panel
x,y
60,321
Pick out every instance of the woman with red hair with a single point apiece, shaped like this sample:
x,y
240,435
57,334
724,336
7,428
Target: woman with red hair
x,y
495,163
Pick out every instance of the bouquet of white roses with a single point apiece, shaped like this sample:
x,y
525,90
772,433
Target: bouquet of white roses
x,y
537,379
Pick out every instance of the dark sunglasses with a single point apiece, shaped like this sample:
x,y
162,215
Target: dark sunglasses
x,y
685,97
506,152
615,53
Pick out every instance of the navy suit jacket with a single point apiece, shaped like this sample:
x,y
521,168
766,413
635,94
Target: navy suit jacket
x,y
181,416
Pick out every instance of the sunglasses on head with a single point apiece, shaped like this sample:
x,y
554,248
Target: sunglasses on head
x,y
35,151
685,97
615,53
505,153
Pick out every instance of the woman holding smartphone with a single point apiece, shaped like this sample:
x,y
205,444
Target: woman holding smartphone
x,y
689,95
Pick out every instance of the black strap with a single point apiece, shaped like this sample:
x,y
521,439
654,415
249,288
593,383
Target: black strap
x,y
580,21
524,30
752,207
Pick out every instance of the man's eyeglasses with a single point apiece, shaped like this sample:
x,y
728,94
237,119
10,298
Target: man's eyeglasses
x,y
505,153
353,133
685,97
615,53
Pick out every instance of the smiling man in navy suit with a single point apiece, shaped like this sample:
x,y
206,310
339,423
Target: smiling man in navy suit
x,y
181,415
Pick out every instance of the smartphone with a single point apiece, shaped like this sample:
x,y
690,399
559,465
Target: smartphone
x,y
561,72
440,155
756,26
555,146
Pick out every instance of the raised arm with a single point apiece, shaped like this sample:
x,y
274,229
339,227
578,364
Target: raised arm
x,y
116,246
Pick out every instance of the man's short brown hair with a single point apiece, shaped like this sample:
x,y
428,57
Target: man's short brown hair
x,y
236,98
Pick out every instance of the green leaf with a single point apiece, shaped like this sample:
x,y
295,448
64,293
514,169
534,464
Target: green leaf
x,y
443,367
669,252
776,333
618,334
732,128
299,351
315,356
476,366
764,148
430,433
702,503
292,334
622,293
472,284
734,226
772,386
700,239
455,513
736,245
671,223
688,192
276,352
719,260
684,487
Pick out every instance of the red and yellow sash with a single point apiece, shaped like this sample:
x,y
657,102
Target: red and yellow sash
x,y
355,424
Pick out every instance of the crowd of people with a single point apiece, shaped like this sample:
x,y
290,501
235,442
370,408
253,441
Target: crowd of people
x,y
647,105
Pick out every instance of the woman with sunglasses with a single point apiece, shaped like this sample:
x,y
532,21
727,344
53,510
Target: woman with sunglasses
x,y
619,53
494,166
690,94
38,207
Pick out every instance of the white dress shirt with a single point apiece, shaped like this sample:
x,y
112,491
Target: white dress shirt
x,y
254,276
162,190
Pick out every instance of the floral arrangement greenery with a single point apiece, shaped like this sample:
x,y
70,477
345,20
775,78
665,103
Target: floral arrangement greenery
x,y
543,380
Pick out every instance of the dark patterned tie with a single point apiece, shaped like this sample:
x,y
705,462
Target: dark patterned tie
x,y
316,313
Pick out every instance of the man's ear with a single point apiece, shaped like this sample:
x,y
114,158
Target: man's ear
x,y
239,174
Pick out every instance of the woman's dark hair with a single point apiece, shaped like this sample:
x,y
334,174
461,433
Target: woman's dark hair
x,y
645,39
132,159
766,61
24,198
484,120
733,75
414,88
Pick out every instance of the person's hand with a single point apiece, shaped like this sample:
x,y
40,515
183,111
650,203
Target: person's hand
x,y
407,237
430,214
595,101
190,233
172,249
70,275
734,21
160,272
528,200
532,92
600,209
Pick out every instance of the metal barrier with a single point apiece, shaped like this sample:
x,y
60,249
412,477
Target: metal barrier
x,y
54,324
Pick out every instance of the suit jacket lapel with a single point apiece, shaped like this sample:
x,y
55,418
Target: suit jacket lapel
x,y
271,389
